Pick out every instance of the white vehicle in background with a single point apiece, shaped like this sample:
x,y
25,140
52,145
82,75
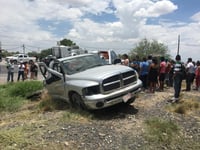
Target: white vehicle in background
x,y
66,51
108,55
21,57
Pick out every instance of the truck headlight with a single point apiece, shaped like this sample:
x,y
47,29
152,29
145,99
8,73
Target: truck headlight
x,y
91,90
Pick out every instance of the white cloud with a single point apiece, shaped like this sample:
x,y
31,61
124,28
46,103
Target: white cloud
x,y
20,23
157,9
196,17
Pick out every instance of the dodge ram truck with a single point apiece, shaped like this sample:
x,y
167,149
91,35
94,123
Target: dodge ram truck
x,y
88,82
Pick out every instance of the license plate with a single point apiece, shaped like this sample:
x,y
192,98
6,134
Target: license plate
x,y
126,97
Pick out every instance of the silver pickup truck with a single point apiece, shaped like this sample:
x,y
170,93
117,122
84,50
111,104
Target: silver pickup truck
x,y
88,82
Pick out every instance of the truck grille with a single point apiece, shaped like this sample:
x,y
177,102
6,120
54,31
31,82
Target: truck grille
x,y
119,81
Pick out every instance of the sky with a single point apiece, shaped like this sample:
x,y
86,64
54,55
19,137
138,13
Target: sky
x,y
101,24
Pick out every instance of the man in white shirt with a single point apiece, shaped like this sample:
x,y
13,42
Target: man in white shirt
x,y
10,67
21,68
190,69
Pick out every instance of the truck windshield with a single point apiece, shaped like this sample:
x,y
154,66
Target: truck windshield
x,y
78,64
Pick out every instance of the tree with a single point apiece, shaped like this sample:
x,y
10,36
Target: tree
x,y
146,48
67,42
45,53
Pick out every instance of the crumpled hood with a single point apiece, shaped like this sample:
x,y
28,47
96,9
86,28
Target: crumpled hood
x,y
101,72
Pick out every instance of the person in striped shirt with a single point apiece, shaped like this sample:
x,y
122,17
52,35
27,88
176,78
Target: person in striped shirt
x,y
178,77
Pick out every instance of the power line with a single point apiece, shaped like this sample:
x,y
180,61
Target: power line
x,y
12,48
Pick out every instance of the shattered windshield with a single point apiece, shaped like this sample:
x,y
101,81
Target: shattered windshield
x,y
78,64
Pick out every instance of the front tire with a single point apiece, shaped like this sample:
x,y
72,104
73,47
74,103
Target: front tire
x,y
77,101
130,101
15,62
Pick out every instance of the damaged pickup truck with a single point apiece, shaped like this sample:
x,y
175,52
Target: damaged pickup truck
x,y
88,82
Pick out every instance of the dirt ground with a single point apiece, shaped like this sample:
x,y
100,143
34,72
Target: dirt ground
x,y
119,127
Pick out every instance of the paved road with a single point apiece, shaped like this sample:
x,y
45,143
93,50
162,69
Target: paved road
x,y
3,73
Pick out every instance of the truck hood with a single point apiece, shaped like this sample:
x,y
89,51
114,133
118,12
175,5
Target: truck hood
x,y
101,72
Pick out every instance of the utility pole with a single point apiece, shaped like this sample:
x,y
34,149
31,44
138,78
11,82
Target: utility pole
x,y
0,54
0,46
178,44
23,48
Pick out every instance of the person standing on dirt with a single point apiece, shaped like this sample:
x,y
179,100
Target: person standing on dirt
x,y
197,76
21,68
33,70
178,76
144,70
162,73
153,75
190,69
10,67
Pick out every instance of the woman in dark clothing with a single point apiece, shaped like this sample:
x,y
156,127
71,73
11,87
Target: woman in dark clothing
x,y
153,75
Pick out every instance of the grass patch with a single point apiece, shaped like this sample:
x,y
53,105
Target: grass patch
x,y
160,131
76,116
25,88
70,114
185,106
13,139
49,104
13,95
11,104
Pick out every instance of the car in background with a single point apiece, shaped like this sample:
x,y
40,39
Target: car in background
x,y
17,58
86,81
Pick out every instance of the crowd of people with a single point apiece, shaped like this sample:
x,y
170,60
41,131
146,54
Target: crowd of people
x,y
156,72
26,70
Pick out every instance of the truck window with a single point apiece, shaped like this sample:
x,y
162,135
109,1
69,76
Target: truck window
x,y
57,67
104,54
113,56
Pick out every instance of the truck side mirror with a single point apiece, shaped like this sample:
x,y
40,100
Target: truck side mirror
x,y
117,61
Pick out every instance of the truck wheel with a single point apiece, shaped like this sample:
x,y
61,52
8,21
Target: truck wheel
x,y
77,101
130,101
15,61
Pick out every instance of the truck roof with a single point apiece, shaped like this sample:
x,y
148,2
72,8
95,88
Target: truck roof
x,y
76,56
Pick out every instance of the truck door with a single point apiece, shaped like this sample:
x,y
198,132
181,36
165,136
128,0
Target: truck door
x,y
54,78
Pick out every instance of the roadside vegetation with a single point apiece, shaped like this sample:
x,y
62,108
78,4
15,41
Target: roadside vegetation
x,y
14,95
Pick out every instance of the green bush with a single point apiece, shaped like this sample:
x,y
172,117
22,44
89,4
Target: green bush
x,y
24,89
13,95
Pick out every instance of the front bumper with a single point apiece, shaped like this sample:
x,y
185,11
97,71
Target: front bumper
x,y
100,101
